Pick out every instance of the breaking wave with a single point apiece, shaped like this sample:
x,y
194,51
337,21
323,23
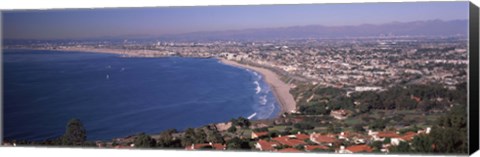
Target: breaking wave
x,y
258,89
265,103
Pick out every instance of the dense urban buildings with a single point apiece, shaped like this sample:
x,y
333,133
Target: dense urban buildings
x,y
357,64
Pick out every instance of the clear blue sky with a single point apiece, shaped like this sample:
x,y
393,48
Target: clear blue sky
x,y
84,23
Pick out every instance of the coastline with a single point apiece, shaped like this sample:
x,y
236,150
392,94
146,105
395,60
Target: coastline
x,y
280,89
123,53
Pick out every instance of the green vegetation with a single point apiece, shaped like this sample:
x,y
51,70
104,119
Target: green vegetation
x,y
415,106
377,145
239,144
314,100
241,122
75,133
449,135
402,147
303,126
263,129
144,141
214,136
410,97
232,129
166,139
192,136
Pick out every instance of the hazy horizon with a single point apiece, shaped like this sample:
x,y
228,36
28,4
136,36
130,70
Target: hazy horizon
x,y
94,23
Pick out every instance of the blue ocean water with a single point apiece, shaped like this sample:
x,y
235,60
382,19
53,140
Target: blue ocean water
x,y
117,97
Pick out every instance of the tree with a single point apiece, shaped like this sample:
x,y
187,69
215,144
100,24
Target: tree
x,y
188,137
299,147
167,140
262,129
403,147
414,128
303,126
243,122
405,102
450,134
232,129
378,125
214,136
273,133
387,140
75,133
200,136
341,102
422,144
358,128
377,145
144,141
364,108
238,144
426,105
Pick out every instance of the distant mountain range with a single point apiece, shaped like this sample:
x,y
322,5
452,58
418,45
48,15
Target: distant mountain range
x,y
430,28
416,28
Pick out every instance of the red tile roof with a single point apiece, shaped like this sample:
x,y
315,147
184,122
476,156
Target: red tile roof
x,y
266,145
359,148
408,136
289,150
302,136
323,138
313,147
285,140
218,146
389,134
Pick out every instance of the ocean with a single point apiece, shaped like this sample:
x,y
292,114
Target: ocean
x,y
115,96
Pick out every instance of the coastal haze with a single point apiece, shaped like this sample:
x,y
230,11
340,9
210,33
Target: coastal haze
x,y
344,78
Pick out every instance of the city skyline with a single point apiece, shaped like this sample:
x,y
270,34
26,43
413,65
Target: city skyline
x,y
91,23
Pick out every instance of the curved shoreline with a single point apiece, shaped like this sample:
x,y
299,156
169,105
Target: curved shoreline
x,y
281,90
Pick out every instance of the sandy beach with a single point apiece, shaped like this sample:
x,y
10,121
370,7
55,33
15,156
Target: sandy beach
x,y
280,88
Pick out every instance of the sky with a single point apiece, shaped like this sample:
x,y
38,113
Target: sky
x,y
92,23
